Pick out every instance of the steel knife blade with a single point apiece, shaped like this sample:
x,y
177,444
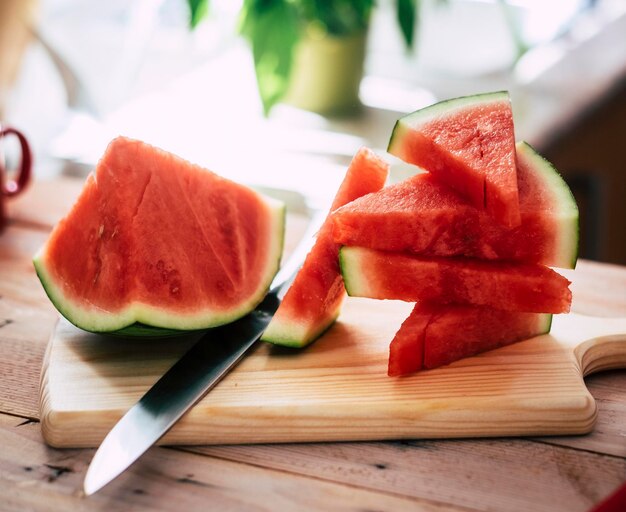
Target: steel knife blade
x,y
190,378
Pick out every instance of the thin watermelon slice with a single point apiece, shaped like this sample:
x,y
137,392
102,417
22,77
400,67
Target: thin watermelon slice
x,y
437,335
468,144
423,216
400,276
314,299
156,240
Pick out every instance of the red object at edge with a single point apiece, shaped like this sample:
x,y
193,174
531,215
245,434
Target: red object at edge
x,y
616,502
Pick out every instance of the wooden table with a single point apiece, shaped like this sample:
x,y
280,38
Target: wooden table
x,y
540,474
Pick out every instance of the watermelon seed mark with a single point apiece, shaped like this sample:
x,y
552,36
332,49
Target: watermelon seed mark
x,y
96,252
484,193
169,275
478,136
142,196
97,275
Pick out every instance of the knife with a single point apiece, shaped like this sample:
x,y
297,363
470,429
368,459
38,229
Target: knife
x,y
190,378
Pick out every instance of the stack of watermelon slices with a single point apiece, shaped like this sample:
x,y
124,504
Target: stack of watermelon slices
x,y
470,241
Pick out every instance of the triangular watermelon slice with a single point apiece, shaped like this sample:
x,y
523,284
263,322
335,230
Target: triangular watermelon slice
x,y
314,299
437,335
423,216
401,276
468,144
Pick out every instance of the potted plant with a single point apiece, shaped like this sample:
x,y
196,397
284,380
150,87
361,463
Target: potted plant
x,y
310,53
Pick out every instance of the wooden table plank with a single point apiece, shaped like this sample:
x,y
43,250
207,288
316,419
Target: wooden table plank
x,y
19,370
488,474
41,478
26,320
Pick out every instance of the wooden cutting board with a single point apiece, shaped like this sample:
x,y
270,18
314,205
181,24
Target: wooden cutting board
x,y
337,389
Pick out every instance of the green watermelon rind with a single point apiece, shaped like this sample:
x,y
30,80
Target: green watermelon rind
x,y
566,209
349,264
125,322
444,108
548,323
139,330
543,324
287,334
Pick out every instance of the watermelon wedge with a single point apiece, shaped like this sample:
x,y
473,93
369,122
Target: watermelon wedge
x,y
437,335
156,240
400,276
314,299
468,144
423,216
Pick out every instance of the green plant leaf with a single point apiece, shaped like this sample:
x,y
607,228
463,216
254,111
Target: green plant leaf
x,y
198,9
272,28
407,12
337,17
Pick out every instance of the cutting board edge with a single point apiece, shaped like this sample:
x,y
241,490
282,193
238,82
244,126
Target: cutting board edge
x,y
61,428
601,354
44,396
59,441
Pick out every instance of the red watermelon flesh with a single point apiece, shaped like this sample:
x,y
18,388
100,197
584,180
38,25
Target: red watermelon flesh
x,y
423,216
314,299
406,351
468,144
400,276
157,240
437,335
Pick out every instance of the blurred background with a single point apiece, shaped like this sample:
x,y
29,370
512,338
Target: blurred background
x,y
76,73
